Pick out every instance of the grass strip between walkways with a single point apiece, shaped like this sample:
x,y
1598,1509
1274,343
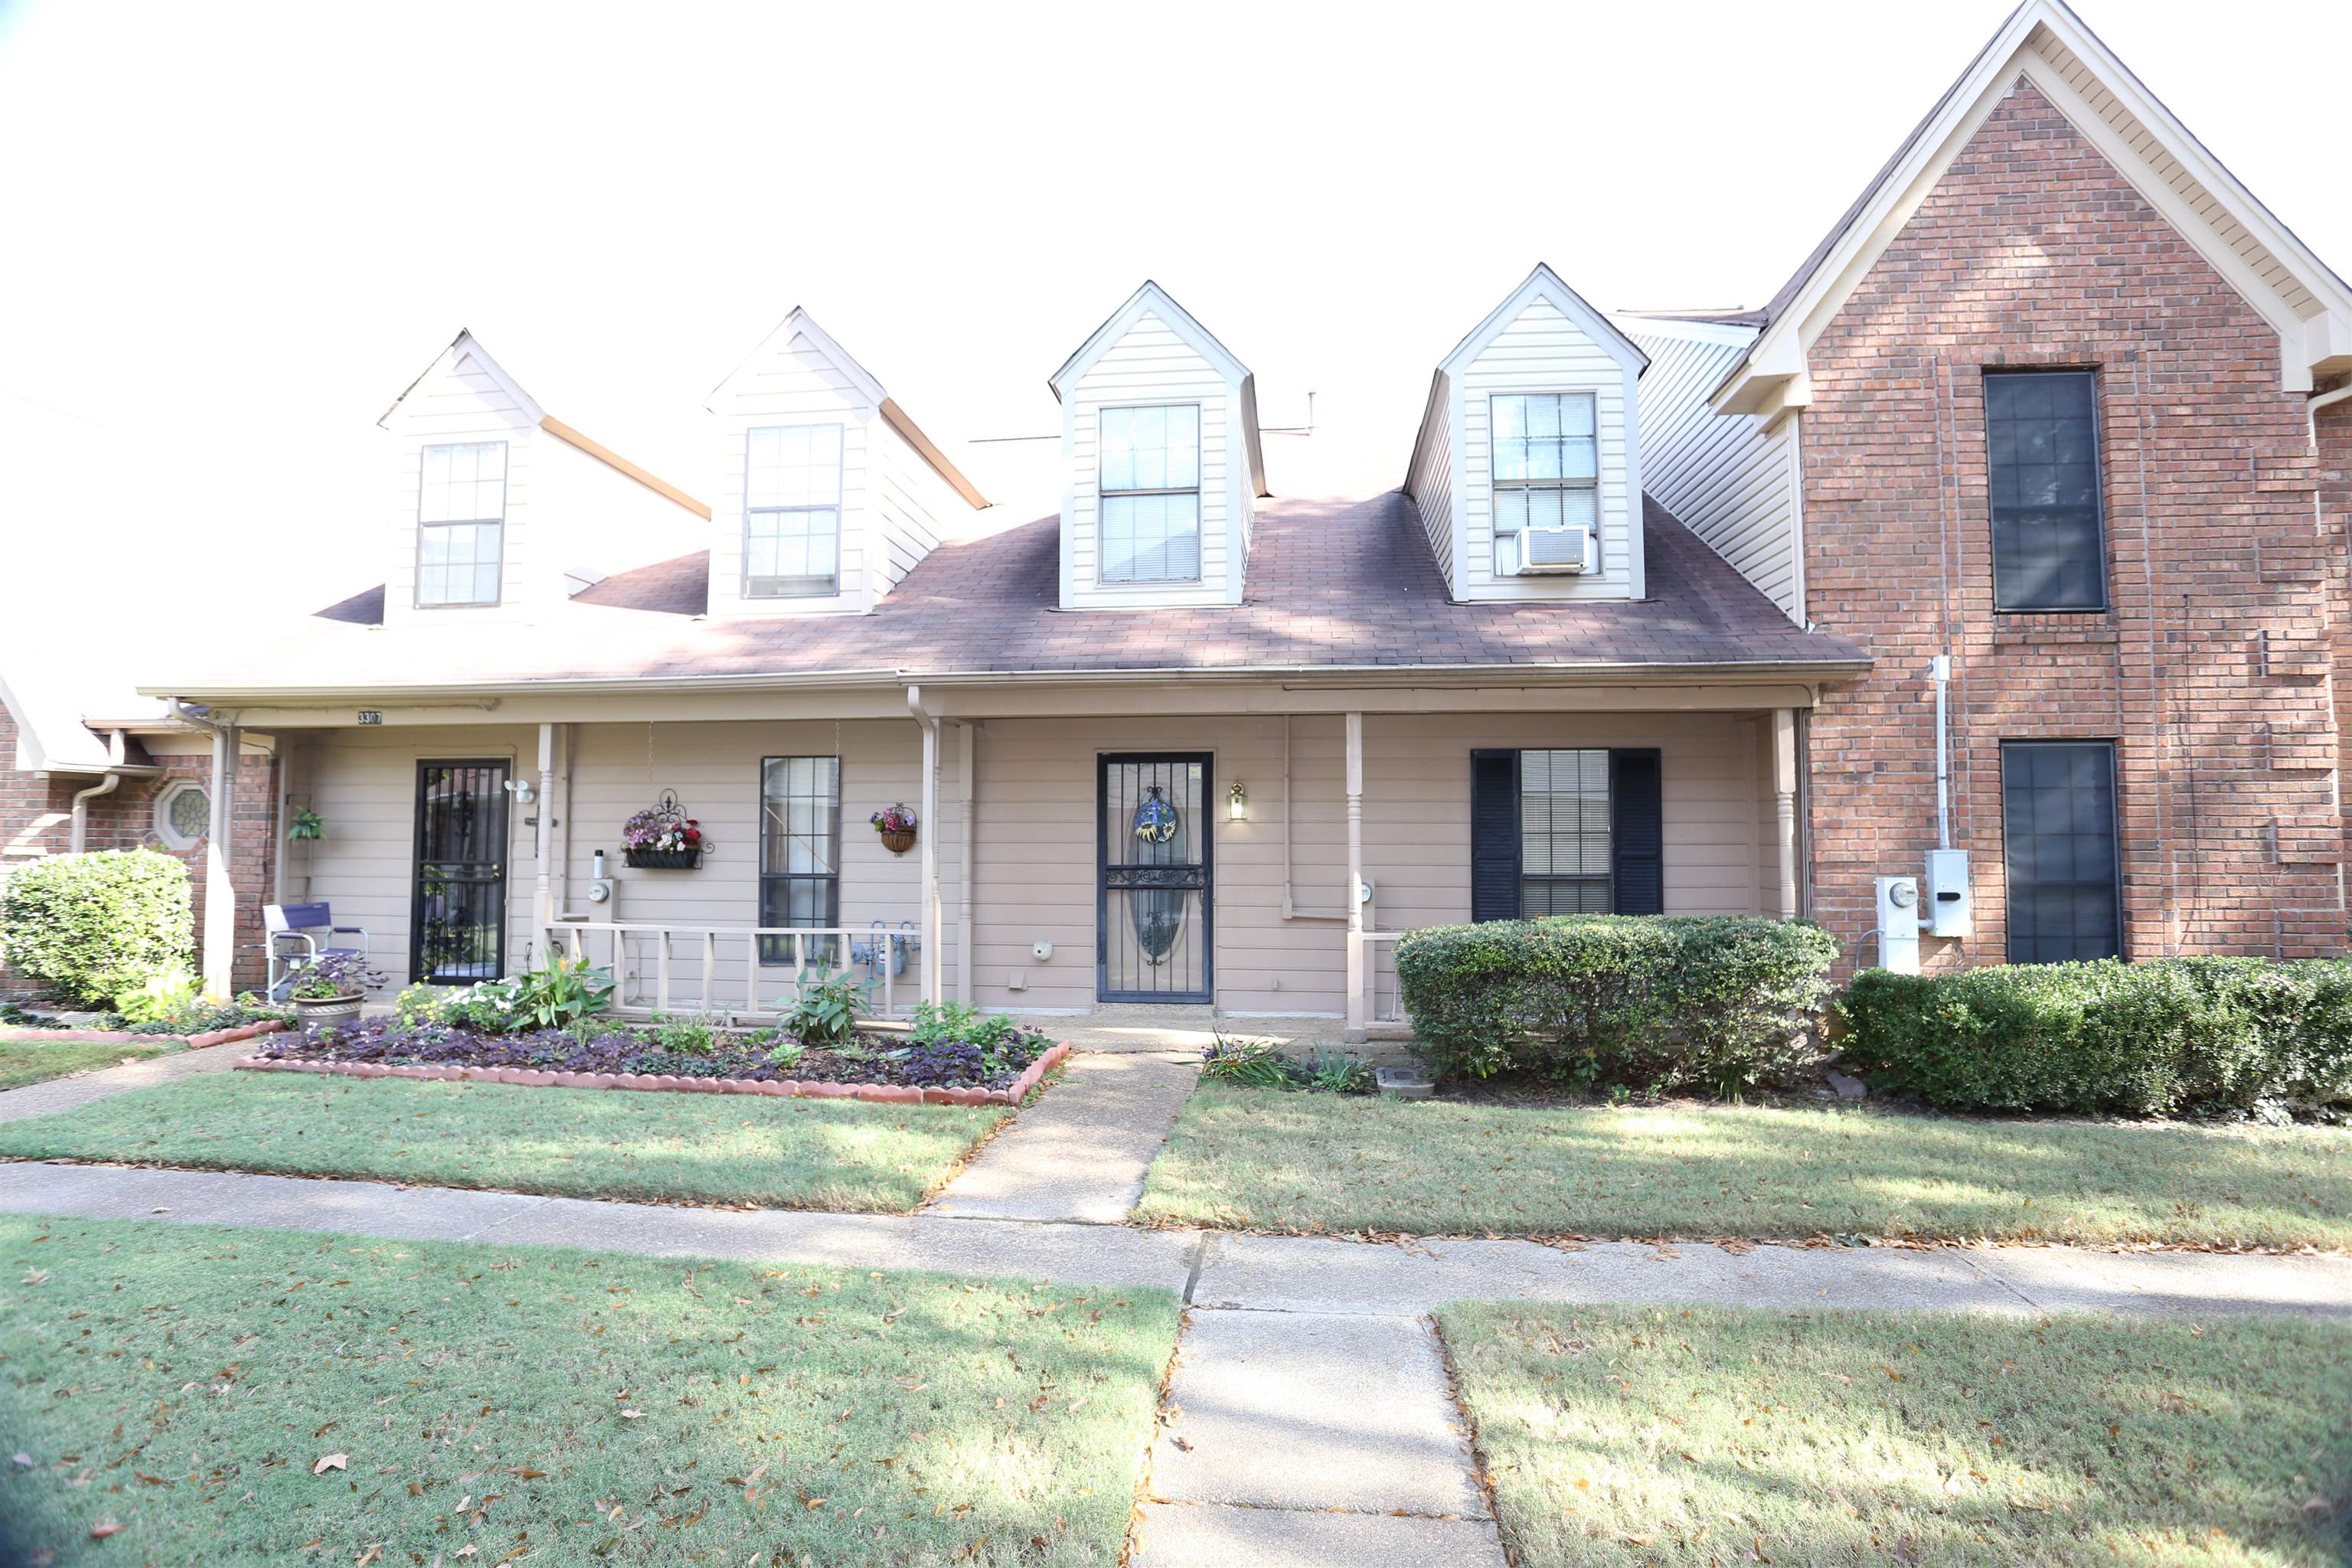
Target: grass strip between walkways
x,y
197,1394
1639,1436
841,1155
1260,1159
24,1062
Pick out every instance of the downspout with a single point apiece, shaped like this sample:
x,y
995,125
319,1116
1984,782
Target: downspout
x,y
106,786
2311,408
930,921
1940,670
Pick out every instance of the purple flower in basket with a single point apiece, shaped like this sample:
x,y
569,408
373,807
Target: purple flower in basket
x,y
900,819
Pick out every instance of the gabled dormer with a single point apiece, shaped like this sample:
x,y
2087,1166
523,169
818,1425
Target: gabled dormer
x,y
1527,469
1160,437
828,494
500,510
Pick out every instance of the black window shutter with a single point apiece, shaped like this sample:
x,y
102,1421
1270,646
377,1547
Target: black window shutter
x,y
1493,836
1637,832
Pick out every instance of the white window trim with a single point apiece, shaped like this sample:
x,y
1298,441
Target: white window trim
x,y
1196,490
840,462
172,838
505,478
1494,487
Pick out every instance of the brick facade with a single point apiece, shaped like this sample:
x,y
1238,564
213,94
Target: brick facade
x,y
37,820
2210,669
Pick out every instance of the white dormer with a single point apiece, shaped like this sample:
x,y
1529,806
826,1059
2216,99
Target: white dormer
x,y
827,493
1528,469
1160,434
499,510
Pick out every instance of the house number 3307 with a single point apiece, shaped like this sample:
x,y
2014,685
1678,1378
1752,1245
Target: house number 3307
x,y
370,715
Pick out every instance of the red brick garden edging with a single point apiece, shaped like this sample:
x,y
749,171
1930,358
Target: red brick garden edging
x,y
794,1089
124,1037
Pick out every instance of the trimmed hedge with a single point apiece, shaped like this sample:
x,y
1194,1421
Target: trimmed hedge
x,y
90,928
2151,1038
1654,1001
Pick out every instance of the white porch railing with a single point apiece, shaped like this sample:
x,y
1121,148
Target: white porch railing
x,y
722,969
1383,1003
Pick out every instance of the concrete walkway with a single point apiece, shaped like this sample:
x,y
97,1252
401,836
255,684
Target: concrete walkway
x,y
1307,1438
1080,1152
65,1093
1222,1270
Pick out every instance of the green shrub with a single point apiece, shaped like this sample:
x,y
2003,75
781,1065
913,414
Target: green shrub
x,y
560,992
2144,1039
824,1009
90,928
1659,1001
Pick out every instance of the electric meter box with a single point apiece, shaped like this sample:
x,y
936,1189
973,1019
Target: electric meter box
x,y
1947,908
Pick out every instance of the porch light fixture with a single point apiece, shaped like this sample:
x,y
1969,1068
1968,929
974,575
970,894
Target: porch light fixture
x,y
1237,802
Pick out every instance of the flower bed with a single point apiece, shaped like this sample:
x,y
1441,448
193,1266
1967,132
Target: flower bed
x,y
195,1042
868,1067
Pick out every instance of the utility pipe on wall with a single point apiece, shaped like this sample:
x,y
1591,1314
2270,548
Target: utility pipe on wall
x,y
115,753
1940,670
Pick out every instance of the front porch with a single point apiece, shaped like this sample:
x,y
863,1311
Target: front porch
x,y
468,840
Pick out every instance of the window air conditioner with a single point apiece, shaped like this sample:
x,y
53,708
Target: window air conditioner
x,y
1544,552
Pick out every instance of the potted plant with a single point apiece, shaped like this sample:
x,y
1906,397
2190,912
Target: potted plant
x,y
896,824
662,838
330,989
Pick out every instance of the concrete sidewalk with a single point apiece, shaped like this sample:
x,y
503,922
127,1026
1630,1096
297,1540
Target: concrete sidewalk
x,y
65,1093
1223,1270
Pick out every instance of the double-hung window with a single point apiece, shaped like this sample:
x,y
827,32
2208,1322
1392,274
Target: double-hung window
x,y
2042,440
800,852
2058,832
1565,833
461,513
1149,481
792,512
1546,467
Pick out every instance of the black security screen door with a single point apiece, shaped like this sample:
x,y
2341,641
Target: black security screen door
x,y
458,917
1152,940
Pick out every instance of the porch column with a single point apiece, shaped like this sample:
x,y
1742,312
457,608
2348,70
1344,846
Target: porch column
x,y
1784,804
929,838
543,841
220,888
1356,1011
970,759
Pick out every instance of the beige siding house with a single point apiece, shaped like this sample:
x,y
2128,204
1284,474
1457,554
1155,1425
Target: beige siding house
x,y
1183,744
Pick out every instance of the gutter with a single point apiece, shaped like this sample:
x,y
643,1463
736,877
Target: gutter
x,y
1340,677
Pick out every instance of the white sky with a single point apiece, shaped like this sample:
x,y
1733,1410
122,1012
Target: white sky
x,y
233,233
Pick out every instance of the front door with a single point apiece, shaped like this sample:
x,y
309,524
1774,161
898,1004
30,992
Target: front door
x,y
457,917
1152,936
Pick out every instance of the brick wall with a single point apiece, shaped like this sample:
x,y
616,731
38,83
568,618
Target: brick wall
x,y
2211,670
35,819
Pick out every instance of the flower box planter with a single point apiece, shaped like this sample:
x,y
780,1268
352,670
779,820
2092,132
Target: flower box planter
x,y
311,1011
898,841
662,859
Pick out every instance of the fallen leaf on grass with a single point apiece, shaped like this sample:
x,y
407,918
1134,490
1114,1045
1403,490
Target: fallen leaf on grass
x,y
332,1462
632,1415
104,1528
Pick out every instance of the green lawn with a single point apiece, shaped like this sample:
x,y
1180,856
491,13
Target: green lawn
x,y
490,1404
611,1143
1632,1436
1266,1160
38,1061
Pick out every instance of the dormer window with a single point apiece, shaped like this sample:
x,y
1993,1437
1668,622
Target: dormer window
x,y
1150,487
461,509
1546,468
792,512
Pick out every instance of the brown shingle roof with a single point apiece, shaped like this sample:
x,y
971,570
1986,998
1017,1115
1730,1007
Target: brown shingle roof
x,y
1332,585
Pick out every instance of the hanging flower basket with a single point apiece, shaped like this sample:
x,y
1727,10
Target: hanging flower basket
x,y
662,838
896,824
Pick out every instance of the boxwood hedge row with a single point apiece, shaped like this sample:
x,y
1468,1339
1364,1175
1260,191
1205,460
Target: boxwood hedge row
x,y
2154,1037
